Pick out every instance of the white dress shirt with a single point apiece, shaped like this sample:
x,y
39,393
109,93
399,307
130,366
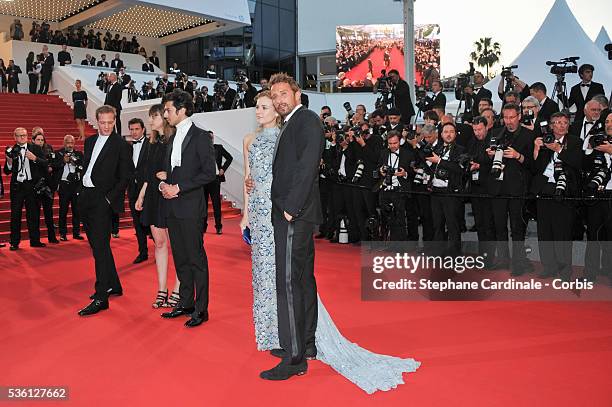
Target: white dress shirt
x,y
136,149
585,89
437,182
393,162
69,168
181,132
100,141
292,112
549,171
24,170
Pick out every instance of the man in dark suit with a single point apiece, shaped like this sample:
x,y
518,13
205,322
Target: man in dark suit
x,y
547,106
228,97
154,59
590,115
107,167
213,189
555,217
513,180
148,66
12,73
479,92
63,57
401,95
296,209
438,100
102,62
26,164
89,61
116,63
113,98
68,166
46,70
190,164
584,91
140,154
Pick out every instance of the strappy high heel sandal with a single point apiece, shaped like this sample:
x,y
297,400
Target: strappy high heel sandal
x,y
160,300
173,300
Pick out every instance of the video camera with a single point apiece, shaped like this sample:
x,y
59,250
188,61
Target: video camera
x,y
507,71
564,66
241,79
608,48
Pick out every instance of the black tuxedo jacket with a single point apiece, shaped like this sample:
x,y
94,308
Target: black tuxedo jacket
x,y
571,155
229,99
477,151
58,163
112,170
140,171
517,176
403,102
197,169
295,180
369,155
220,154
438,101
47,66
350,161
576,98
103,64
406,159
455,172
117,64
148,67
483,93
38,168
155,61
113,97
547,109
63,57
91,62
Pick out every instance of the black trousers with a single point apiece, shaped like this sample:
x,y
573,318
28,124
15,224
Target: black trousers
x,y
327,203
393,212
47,206
214,191
33,82
296,287
44,83
12,86
425,215
555,220
598,256
412,218
139,228
344,207
483,219
97,218
364,204
115,223
445,211
69,198
513,209
190,261
118,121
22,194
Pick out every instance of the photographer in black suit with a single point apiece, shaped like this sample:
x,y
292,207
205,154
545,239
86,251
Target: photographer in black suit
x,y
148,66
113,98
510,176
479,92
401,96
116,63
190,164
438,99
26,164
213,189
344,166
547,106
584,91
46,71
107,168
140,159
68,166
556,169
296,209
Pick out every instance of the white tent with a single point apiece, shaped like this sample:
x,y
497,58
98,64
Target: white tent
x,y
602,39
559,36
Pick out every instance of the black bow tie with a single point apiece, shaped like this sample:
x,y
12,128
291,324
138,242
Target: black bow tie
x,y
588,85
591,123
137,142
395,153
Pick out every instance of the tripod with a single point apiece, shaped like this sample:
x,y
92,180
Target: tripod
x,y
560,92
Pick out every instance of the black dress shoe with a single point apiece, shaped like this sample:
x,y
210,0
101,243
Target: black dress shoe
x,y
197,319
219,230
63,238
320,236
111,292
310,354
93,308
284,371
14,247
53,240
140,258
177,312
78,237
37,244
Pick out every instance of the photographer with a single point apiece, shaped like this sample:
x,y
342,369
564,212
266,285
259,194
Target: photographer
x,y
401,96
511,150
344,165
45,188
584,91
393,165
147,91
556,169
479,92
394,120
480,167
325,113
598,256
530,119
547,106
249,93
379,127
224,95
326,184
68,165
447,178
484,103
508,80
590,115
26,164
437,100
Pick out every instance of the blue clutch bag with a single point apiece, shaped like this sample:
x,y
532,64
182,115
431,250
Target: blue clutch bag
x,y
246,235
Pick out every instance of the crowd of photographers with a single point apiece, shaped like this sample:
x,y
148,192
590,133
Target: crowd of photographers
x,y
383,176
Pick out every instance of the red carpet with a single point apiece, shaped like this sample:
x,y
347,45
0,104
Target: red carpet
x,y
472,353
359,72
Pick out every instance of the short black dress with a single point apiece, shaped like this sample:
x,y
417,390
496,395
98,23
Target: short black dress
x,y
78,99
152,206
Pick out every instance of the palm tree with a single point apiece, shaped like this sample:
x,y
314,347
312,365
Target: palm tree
x,y
487,53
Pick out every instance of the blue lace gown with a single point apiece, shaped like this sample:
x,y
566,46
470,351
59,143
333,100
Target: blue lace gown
x,y
370,371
